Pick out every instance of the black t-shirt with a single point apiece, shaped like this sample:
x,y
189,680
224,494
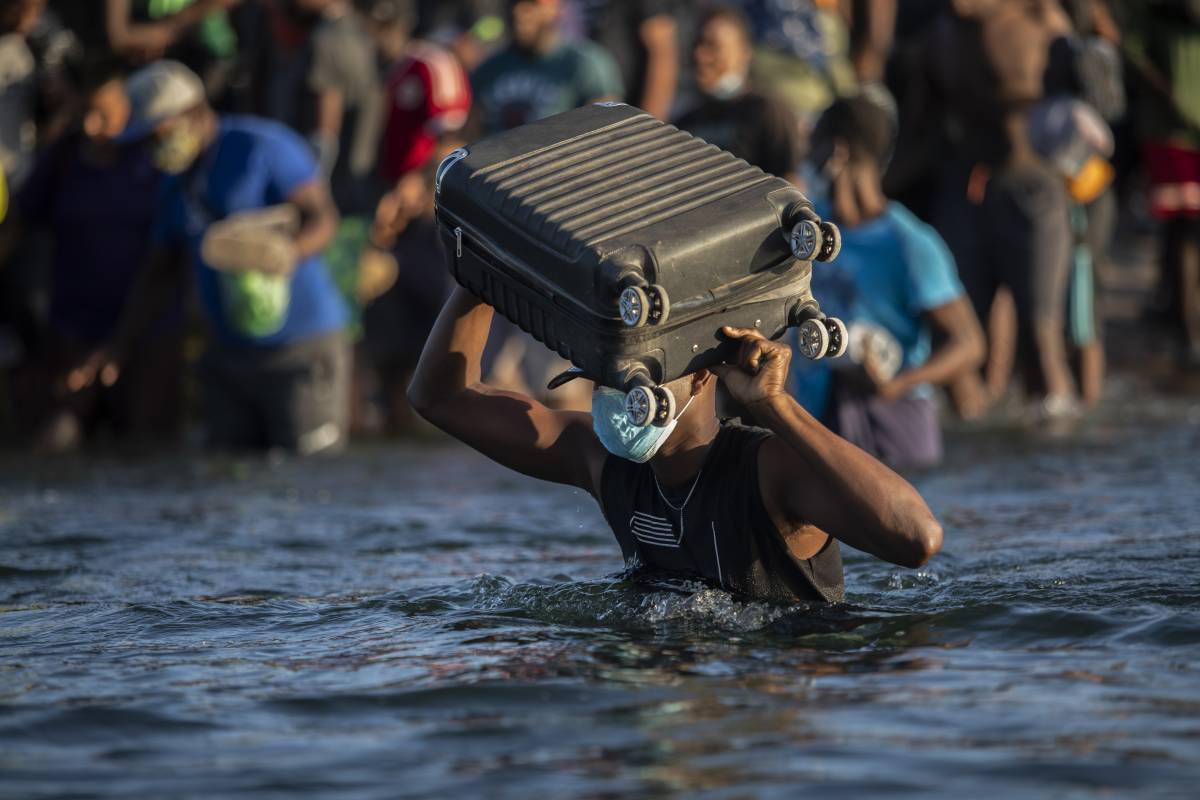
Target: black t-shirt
x,y
752,126
719,530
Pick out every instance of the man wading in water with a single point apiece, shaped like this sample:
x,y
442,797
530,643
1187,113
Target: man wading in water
x,y
757,512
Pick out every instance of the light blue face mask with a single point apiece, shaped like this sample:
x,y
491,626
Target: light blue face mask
x,y
620,436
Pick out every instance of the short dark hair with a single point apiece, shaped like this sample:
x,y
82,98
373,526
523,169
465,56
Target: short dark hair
x,y
731,14
864,125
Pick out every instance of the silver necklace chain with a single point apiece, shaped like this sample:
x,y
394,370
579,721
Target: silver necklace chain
x,y
683,505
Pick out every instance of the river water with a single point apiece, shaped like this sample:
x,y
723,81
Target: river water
x,y
411,621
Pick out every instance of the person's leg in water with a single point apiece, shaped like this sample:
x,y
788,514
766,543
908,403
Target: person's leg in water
x,y
1092,362
1002,344
1031,242
957,219
1185,248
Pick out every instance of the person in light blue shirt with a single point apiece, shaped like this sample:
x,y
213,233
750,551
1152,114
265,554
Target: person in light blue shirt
x,y
895,286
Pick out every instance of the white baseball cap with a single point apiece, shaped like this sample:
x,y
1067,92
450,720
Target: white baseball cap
x,y
158,92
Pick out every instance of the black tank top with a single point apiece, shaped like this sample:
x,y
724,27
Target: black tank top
x,y
719,529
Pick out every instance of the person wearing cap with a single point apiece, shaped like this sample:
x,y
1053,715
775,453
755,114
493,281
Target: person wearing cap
x,y
276,371
758,512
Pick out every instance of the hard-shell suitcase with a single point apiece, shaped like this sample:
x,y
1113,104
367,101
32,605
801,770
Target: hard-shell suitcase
x,y
625,244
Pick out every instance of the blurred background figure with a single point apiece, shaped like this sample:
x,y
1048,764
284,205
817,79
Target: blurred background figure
x,y
1164,53
1001,209
538,74
428,93
732,113
802,53
96,198
198,33
397,323
644,38
895,286
276,371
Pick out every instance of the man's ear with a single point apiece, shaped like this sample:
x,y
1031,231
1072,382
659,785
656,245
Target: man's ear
x,y
700,379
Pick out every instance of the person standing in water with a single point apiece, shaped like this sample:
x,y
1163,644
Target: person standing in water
x,y
759,512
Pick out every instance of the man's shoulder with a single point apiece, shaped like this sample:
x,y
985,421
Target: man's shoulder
x,y
497,63
256,130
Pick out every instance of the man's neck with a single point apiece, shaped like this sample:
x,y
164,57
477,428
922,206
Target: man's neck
x,y
546,44
683,454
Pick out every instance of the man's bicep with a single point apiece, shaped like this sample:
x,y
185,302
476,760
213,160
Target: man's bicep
x,y
792,491
522,434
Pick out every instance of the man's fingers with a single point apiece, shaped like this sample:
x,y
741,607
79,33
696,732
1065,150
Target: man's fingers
x,y
741,333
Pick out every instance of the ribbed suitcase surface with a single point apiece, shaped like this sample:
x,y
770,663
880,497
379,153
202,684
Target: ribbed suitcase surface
x,y
610,182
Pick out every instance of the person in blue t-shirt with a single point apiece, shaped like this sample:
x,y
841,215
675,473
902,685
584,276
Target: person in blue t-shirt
x,y
277,368
895,285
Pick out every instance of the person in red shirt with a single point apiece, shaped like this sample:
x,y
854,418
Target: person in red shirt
x,y
428,94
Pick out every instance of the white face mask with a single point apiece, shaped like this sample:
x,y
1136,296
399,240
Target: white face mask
x,y
727,86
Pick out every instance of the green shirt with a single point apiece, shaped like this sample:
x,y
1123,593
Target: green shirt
x,y
513,87
1168,43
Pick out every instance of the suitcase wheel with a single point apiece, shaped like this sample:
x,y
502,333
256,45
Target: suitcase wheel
x,y
839,337
650,405
666,406
813,339
638,306
806,240
634,306
660,303
641,406
831,242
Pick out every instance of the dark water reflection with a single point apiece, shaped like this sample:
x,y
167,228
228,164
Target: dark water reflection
x,y
410,622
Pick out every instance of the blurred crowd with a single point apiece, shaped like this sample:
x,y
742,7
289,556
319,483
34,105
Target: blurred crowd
x,y
218,214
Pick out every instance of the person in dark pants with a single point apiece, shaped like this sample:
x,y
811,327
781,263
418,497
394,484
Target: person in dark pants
x,y
1001,209
277,368
96,198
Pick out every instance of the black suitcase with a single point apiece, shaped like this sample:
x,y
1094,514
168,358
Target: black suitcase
x,y
624,244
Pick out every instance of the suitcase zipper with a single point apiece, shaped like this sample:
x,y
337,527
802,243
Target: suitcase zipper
x,y
458,242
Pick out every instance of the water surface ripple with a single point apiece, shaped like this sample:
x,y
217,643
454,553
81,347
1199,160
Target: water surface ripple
x,y
410,622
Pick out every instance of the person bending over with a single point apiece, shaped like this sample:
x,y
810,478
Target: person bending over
x,y
757,512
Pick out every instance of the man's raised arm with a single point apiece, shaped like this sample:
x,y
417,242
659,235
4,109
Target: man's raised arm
x,y
813,478
510,428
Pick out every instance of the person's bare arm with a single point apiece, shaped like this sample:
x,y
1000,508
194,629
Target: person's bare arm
x,y
509,428
961,348
150,39
318,218
331,109
160,281
874,28
659,36
817,481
